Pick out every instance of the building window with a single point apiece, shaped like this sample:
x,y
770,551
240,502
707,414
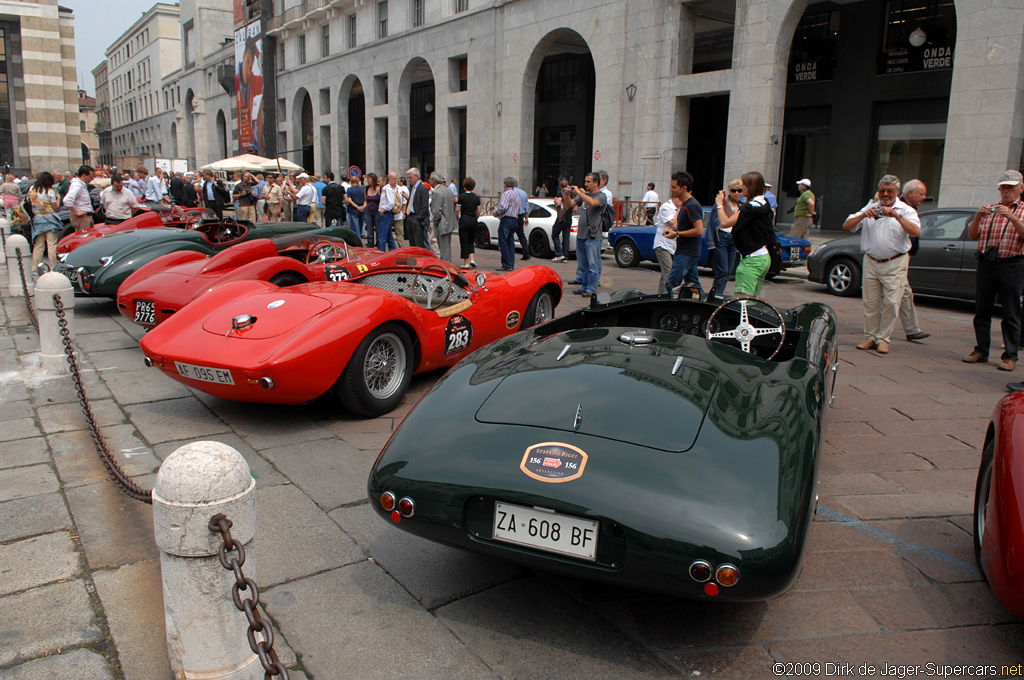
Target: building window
x,y
280,56
351,31
382,19
417,12
302,49
190,43
461,5
81,124
325,40
919,36
325,101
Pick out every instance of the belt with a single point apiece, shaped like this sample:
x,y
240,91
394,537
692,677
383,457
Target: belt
x,y
886,259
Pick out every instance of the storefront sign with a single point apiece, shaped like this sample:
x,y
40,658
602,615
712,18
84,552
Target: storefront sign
x,y
915,59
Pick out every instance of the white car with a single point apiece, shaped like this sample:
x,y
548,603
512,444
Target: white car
x,y
538,231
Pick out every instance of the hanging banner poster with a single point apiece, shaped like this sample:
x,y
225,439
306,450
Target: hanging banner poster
x,y
249,86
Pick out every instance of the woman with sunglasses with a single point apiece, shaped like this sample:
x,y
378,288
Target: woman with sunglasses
x,y
753,229
724,254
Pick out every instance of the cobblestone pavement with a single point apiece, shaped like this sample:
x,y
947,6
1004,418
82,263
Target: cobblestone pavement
x,y
889,575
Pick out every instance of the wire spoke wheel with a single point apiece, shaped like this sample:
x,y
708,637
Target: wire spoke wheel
x,y
385,366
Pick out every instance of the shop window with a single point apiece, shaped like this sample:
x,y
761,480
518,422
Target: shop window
x,y
919,35
713,26
911,150
812,56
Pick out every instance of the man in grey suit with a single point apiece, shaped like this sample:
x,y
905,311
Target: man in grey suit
x,y
442,215
418,220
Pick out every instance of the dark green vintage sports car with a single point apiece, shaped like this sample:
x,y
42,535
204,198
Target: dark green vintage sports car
x,y
654,443
98,267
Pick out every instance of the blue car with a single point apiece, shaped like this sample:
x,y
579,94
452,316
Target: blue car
x,y
632,245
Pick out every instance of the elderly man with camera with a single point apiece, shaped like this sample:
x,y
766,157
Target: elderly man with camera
x,y
999,229
886,224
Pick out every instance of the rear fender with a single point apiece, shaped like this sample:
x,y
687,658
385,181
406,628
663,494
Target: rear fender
x,y
263,269
240,254
1003,543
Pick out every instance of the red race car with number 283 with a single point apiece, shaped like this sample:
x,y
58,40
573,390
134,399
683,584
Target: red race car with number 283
x,y
361,339
161,288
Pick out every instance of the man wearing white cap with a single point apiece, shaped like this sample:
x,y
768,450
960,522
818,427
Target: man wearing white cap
x,y
803,213
999,229
303,198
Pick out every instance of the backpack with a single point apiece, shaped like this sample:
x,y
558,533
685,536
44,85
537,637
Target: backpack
x,y
607,216
399,202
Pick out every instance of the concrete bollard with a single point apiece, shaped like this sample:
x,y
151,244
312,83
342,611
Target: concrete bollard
x,y
15,242
206,634
5,233
52,356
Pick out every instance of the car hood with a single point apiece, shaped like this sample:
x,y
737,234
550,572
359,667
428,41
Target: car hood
x,y
594,383
122,243
272,314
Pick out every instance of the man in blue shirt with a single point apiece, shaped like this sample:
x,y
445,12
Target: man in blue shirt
x,y
319,185
355,200
522,219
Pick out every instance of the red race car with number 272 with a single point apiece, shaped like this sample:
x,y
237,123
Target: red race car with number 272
x,y
361,339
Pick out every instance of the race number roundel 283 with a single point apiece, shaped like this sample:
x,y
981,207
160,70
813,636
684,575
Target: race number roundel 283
x,y
553,462
457,334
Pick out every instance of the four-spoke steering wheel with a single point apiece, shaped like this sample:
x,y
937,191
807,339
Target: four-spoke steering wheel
x,y
427,290
746,333
324,251
227,230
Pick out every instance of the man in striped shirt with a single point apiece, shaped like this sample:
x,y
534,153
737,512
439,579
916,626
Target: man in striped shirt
x,y
508,212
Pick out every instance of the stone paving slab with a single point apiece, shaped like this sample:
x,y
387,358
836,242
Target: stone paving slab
x,y
169,420
357,604
115,530
24,517
40,620
78,461
61,390
80,664
21,452
68,416
296,539
527,629
329,471
24,482
19,428
106,340
932,480
896,506
732,663
266,426
434,574
871,463
13,410
128,360
877,568
36,561
934,606
136,618
137,387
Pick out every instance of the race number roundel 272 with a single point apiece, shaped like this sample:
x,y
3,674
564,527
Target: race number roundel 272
x,y
553,462
457,334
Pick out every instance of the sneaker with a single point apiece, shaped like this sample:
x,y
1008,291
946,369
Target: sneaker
x,y
473,265
917,336
1015,387
975,357
574,282
1007,364
882,347
867,344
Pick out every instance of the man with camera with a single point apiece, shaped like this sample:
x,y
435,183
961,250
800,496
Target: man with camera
x,y
245,195
999,229
885,225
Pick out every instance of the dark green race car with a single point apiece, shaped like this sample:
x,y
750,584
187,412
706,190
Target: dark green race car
x,y
662,444
98,267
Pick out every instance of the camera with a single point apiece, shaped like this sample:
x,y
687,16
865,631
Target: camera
x,y
989,255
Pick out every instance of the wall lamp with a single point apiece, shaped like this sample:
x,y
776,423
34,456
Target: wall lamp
x,y
497,107
630,91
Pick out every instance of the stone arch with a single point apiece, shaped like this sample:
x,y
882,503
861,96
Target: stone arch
x,y
190,127
351,123
302,129
417,131
222,134
174,140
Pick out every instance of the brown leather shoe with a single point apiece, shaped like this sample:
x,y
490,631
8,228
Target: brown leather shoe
x,y
1007,364
975,357
867,344
882,347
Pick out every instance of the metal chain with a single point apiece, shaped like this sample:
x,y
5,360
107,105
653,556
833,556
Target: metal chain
x,y
24,288
264,648
132,489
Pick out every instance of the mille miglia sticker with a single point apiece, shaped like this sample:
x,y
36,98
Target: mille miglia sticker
x,y
553,462
512,320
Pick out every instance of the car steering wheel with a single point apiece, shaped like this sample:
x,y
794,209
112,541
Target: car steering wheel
x,y
429,287
324,251
745,332
227,230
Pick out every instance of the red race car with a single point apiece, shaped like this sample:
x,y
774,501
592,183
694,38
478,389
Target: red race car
x,y
362,339
999,504
174,216
162,287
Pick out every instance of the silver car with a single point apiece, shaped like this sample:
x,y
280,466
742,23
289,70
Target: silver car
x,y
944,263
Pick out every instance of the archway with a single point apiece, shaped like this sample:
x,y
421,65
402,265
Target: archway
x,y
558,109
174,140
190,127
85,154
302,115
222,134
416,114
351,125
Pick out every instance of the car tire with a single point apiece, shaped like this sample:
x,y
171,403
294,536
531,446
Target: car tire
x,y
842,276
539,246
540,309
379,372
626,253
285,279
483,236
982,491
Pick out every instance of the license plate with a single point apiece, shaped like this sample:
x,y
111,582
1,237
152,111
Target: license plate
x,y
145,312
204,373
545,530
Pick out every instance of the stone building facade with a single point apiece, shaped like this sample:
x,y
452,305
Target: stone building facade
x,y
39,121
87,128
105,155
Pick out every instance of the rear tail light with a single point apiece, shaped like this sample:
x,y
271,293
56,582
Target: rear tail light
x,y
700,571
727,575
387,501
266,383
407,507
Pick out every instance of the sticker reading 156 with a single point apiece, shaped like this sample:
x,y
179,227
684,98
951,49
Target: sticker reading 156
x,y
457,334
553,462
